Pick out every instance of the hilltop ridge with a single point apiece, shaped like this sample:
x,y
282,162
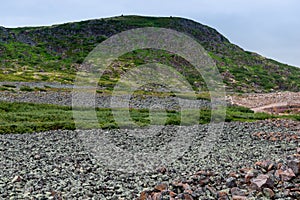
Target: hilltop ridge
x,y
54,53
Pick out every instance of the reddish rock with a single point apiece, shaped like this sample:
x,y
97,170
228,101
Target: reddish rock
x,y
222,196
270,167
239,198
201,173
56,195
296,189
205,173
264,164
161,170
161,187
262,181
172,194
245,170
250,174
285,175
279,165
145,196
234,175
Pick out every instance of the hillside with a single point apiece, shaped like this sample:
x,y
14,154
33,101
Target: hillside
x,y
54,53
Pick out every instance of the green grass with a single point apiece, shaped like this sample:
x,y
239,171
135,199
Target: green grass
x,y
29,117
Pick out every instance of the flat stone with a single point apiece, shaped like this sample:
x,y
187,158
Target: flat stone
x,y
294,165
239,197
285,175
262,181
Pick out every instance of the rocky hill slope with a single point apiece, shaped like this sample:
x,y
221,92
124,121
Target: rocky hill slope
x,y
54,53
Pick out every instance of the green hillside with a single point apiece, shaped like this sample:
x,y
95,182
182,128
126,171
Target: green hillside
x,y
54,53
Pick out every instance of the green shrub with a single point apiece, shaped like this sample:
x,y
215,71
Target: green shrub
x,y
26,89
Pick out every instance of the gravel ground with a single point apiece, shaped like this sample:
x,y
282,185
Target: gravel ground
x,y
63,164
65,99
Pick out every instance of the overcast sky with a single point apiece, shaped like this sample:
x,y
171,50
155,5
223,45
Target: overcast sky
x,y
268,27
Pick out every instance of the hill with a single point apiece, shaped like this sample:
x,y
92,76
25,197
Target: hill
x,y
54,53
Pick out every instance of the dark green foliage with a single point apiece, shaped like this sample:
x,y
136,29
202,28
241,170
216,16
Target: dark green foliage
x,y
9,86
26,89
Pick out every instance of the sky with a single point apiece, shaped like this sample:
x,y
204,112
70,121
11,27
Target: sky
x,y
268,27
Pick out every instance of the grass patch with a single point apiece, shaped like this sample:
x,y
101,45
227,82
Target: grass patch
x,y
29,117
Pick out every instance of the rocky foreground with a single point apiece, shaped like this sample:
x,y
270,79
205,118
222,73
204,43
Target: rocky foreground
x,y
258,160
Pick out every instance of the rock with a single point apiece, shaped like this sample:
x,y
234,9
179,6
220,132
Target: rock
x,y
187,197
239,198
268,193
161,170
172,194
245,170
264,164
16,179
296,189
204,182
186,186
37,157
250,174
233,174
294,165
262,181
270,167
231,182
156,196
211,189
285,175
161,187
222,195
177,184
237,192
144,195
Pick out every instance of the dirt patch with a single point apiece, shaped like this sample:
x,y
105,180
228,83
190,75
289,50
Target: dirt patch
x,y
273,103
